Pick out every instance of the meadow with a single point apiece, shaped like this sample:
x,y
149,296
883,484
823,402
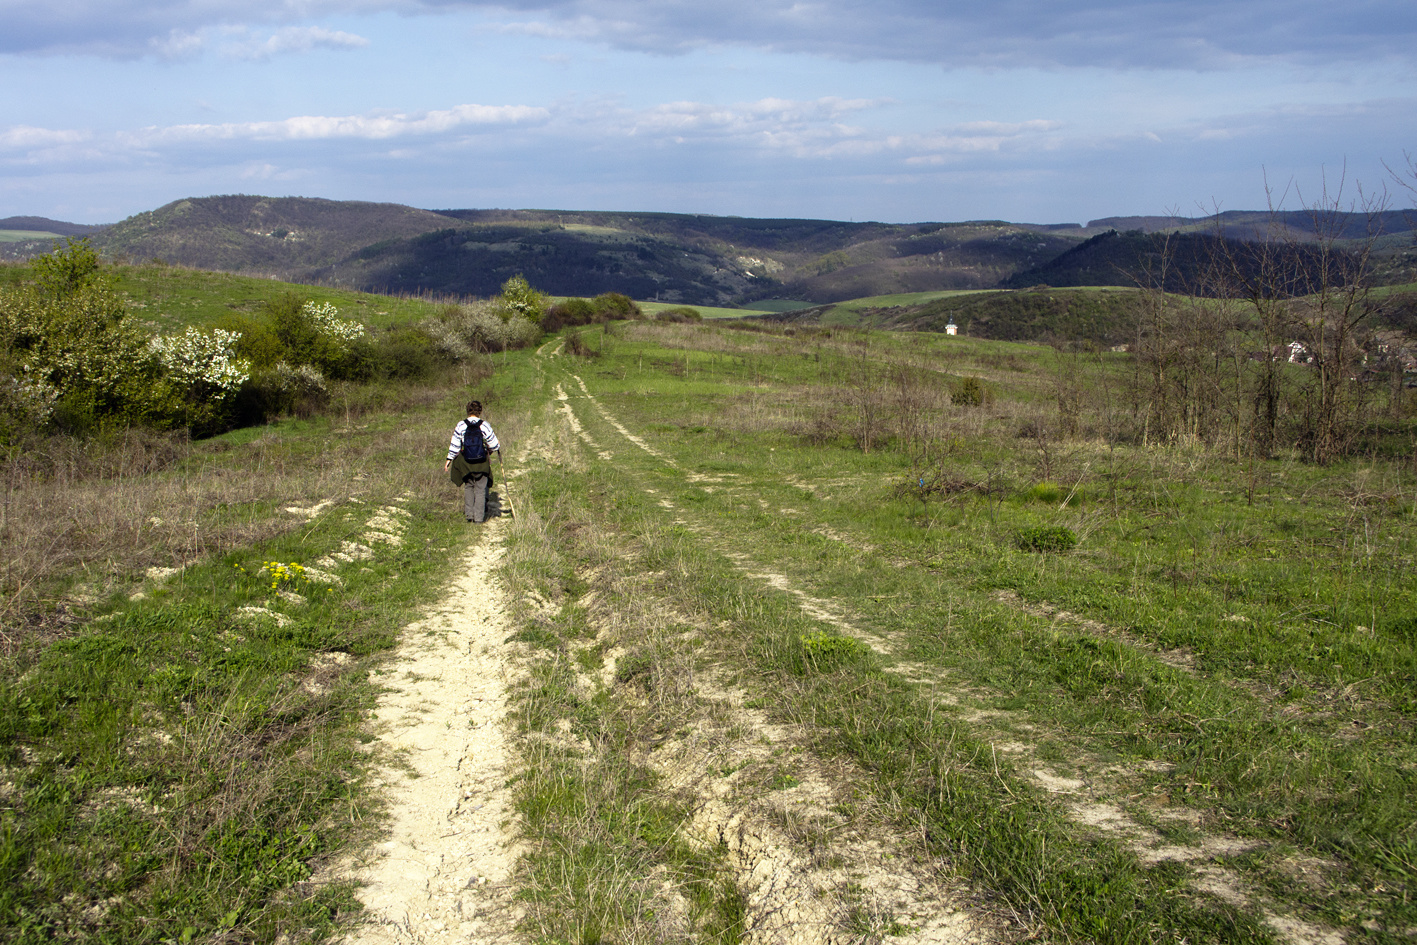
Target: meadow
x,y
931,604
166,297
1193,724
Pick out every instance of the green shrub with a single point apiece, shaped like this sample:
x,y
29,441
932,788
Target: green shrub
x,y
1046,538
576,345
405,354
258,342
970,392
68,270
568,313
614,305
519,300
69,357
313,333
682,313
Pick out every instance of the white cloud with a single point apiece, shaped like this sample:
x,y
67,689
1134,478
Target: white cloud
x,y
25,137
686,117
292,39
324,127
769,128
177,44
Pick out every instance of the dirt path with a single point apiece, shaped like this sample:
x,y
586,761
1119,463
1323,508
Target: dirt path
x,y
443,875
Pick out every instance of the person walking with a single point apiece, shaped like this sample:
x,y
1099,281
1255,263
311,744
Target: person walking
x,y
470,461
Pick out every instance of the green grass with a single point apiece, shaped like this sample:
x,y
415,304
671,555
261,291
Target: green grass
x,y
780,305
902,298
169,297
707,311
1228,651
180,767
21,236
1240,644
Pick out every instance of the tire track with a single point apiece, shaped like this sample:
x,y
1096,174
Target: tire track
x,y
1089,805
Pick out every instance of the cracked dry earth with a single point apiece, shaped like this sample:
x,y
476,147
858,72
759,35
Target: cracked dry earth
x,y
443,874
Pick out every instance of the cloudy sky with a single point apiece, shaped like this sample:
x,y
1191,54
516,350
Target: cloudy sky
x,y
895,110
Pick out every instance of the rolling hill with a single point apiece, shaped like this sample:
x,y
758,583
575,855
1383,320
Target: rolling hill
x,y
681,258
688,258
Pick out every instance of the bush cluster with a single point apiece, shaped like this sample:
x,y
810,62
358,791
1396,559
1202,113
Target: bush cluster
x,y
68,356
462,332
610,306
70,361
679,315
970,392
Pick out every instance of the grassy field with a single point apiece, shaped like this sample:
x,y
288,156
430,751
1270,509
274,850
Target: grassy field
x,y
1194,725
707,311
20,236
920,604
192,638
170,297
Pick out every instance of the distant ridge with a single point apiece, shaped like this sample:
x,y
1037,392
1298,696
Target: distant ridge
x,y
46,225
1254,224
696,259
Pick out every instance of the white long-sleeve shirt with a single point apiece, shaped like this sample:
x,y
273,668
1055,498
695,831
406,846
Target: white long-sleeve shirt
x,y
488,437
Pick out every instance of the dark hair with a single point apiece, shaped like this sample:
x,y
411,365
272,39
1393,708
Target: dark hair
x,y
474,408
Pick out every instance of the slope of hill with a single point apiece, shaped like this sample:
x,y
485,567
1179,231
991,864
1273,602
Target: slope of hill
x,y
1097,316
1282,224
695,259
26,237
46,225
680,257
1190,263
1091,316
286,236
476,260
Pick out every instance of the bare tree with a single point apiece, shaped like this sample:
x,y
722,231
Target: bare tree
x,y
1309,291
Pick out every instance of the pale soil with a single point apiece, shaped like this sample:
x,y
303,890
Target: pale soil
x,y
444,872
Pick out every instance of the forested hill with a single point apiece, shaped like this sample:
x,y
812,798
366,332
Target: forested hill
x,y
46,225
688,258
285,236
1279,224
1199,263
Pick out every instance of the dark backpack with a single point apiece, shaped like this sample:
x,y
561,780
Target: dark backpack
x,y
474,448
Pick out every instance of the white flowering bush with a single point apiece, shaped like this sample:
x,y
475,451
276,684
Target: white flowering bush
x,y
299,381
519,300
203,363
26,404
464,330
325,317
